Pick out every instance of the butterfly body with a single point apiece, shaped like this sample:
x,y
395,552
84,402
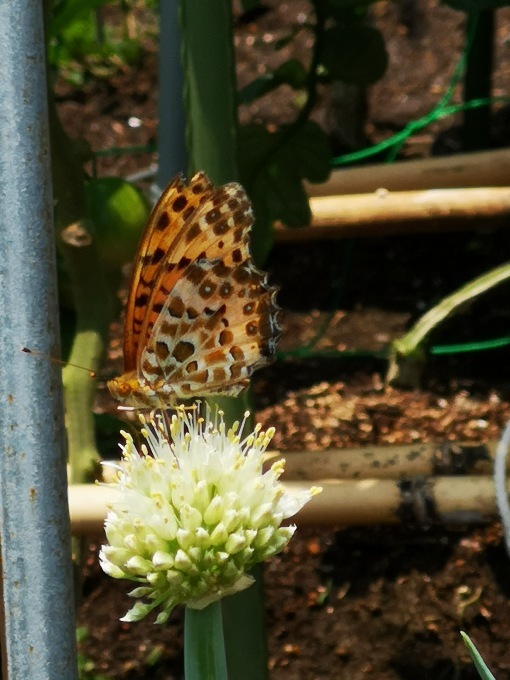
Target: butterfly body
x,y
200,316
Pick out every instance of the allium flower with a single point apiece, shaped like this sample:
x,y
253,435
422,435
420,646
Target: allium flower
x,y
194,512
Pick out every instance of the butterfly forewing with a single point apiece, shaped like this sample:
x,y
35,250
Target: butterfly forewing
x,y
144,270
188,222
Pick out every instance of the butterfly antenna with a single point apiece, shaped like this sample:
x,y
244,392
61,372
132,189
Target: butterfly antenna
x,y
54,360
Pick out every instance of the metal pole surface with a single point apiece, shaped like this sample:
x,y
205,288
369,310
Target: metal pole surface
x,y
38,610
172,154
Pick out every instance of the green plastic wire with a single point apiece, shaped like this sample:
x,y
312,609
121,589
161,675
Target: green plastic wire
x,y
459,348
304,353
476,346
395,142
442,109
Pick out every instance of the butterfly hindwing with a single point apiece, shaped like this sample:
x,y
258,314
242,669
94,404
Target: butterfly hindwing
x,y
214,343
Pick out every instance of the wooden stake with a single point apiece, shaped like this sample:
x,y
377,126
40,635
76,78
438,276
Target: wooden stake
x,y
422,501
440,500
385,212
387,462
485,168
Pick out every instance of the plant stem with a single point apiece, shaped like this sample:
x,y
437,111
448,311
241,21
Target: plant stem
x,y
210,101
92,299
478,79
311,94
204,648
210,89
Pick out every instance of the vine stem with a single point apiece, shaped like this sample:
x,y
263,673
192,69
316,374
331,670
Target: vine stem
x,y
311,93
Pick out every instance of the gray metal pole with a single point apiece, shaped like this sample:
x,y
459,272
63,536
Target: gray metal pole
x,y
172,154
38,611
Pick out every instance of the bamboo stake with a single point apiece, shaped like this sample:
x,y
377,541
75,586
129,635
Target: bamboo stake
x,y
443,500
403,461
485,168
448,500
387,462
385,212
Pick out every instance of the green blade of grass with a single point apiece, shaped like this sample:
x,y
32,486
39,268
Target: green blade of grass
x,y
480,665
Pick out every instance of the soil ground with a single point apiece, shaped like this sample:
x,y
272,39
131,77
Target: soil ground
x,y
381,602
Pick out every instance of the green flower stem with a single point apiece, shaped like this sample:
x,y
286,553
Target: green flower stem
x,y
204,648
210,88
244,615
210,99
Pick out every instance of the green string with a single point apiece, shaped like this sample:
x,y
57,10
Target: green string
x,y
397,140
304,353
459,348
442,109
479,346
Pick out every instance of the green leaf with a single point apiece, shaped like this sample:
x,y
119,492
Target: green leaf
x,y
256,88
127,49
262,234
286,40
248,5
354,54
291,72
64,14
276,195
79,37
294,201
118,211
281,192
273,166
256,148
480,665
313,152
306,153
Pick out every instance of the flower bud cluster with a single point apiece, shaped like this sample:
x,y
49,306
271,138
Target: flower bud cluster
x,y
193,511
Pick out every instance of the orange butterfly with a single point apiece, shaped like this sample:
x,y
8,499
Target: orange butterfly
x,y
200,317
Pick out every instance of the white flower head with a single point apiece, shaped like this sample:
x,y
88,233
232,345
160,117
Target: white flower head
x,y
194,511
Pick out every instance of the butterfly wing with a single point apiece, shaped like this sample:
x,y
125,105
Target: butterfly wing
x,y
200,316
189,221
154,239
219,325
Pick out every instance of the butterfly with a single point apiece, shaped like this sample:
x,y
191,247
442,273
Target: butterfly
x,y
200,317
